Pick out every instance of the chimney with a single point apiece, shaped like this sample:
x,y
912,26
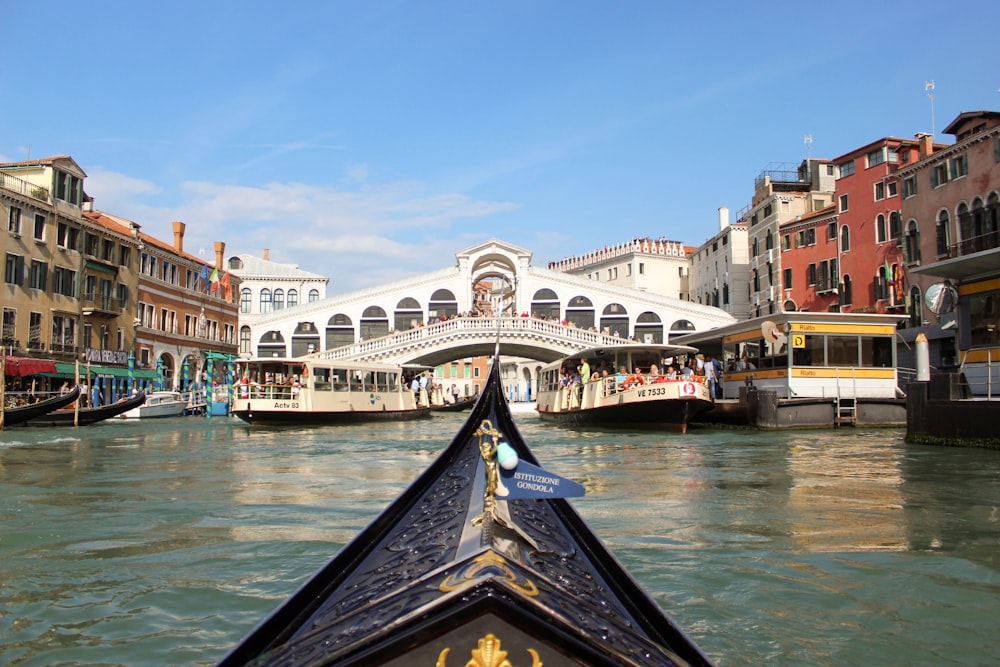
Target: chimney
x,y
179,236
267,254
925,144
220,250
723,217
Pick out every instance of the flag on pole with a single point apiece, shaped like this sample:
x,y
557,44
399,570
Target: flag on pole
x,y
888,273
215,280
203,276
225,285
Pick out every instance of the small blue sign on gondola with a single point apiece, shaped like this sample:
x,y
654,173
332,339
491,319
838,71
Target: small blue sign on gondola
x,y
530,481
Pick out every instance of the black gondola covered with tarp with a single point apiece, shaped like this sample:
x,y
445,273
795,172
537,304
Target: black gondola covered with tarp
x,y
87,416
19,415
451,571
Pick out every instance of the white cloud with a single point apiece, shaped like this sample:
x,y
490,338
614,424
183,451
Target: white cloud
x,y
358,238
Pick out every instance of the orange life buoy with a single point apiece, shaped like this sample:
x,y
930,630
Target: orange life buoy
x,y
632,381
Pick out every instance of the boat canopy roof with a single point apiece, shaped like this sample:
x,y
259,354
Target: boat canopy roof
x,y
322,363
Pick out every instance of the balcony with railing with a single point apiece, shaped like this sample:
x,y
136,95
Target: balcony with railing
x,y
23,187
987,241
101,304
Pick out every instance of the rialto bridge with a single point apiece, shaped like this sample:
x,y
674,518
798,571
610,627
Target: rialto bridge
x,y
457,312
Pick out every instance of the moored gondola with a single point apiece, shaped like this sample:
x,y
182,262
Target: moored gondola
x,y
481,556
87,416
19,415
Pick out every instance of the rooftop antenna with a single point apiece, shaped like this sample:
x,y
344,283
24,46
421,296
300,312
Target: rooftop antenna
x,y
929,87
809,144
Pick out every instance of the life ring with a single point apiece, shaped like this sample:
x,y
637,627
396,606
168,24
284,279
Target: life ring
x,y
305,372
632,381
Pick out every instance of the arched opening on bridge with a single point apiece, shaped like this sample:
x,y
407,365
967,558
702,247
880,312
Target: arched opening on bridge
x,y
408,315
545,305
305,339
339,331
680,327
272,344
443,305
374,323
614,320
649,328
493,278
580,311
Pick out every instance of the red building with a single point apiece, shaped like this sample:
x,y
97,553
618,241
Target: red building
x,y
809,261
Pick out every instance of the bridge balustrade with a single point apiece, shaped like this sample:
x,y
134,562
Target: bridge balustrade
x,y
464,326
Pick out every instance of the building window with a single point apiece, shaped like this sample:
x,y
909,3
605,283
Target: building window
x,y
14,220
13,269
811,275
39,233
786,242
755,247
642,268
939,174
245,339
909,187
846,294
767,210
769,240
891,188
830,170
942,233
788,279
831,231
265,300
880,228
845,238
876,157
879,191
843,203
959,166
38,275
278,300
246,300
293,298
911,243
914,310
313,295
846,168
895,226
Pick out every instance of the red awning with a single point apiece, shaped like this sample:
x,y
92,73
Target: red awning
x,y
21,366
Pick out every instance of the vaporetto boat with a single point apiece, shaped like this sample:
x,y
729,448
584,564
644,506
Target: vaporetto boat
x,y
275,391
627,386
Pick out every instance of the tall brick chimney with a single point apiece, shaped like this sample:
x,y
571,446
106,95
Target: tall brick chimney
x,y
267,254
220,250
925,144
179,228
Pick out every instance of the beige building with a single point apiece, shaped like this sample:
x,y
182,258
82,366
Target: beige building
x,y
781,193
654,266
69,283
720,268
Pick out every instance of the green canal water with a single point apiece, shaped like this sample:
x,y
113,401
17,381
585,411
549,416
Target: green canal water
x,y
164,542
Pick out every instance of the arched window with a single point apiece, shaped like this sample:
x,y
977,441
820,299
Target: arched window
x,y
265,300
911,243
755,247
845,238
293,298
880,230
979,225
915,307
769,240
279,299
943,233
245,339
847,293
313,295
246,300
895,226
993,217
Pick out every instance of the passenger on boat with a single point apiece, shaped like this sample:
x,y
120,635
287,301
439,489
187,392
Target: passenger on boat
x,y
671,372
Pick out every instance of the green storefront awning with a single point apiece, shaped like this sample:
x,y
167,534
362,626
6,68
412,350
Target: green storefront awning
x,y
64,370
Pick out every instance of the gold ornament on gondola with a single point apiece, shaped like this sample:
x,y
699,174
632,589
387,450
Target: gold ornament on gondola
x,y
489,654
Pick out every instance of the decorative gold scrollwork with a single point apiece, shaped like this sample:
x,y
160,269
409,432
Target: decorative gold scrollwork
x,y
489,654
489,560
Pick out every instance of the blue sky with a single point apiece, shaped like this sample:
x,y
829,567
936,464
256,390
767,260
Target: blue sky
x,y
371,141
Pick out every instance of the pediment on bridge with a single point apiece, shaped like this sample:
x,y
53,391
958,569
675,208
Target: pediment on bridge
x,y
494,248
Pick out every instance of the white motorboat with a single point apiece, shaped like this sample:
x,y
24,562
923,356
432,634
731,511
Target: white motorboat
x,y
159,404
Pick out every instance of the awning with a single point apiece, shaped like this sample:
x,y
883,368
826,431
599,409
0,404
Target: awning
x,y
21,366
64,370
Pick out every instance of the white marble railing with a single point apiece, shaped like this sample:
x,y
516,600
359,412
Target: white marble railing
x,y
466,327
